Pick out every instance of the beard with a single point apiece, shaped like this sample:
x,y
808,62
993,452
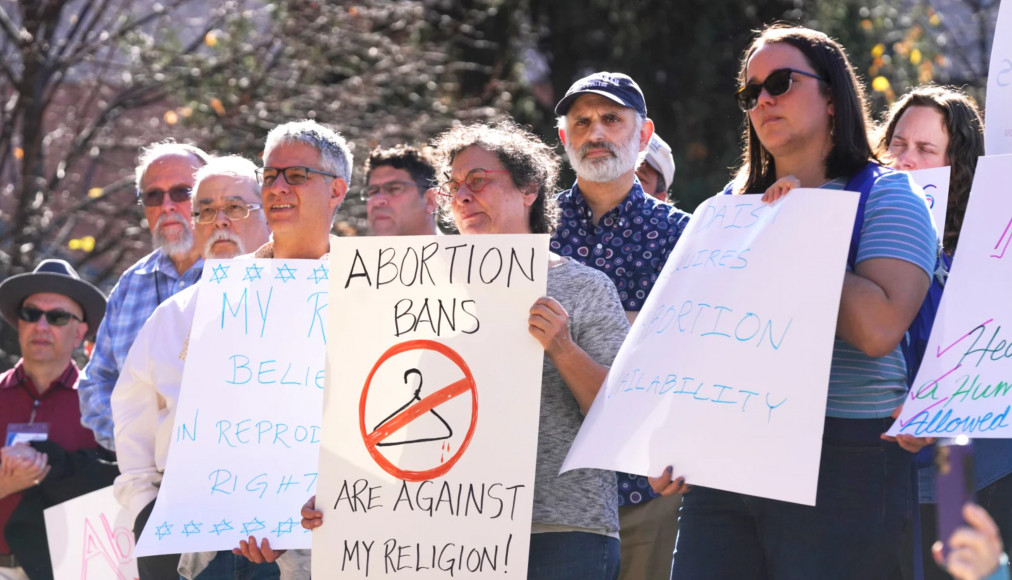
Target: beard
x,y
227,236
624,158
181,244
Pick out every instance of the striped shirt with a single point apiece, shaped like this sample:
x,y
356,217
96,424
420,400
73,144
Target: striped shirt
x,y
897,224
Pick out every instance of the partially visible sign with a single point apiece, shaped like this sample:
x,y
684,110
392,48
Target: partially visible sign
x,y
998,129
91,538
935,183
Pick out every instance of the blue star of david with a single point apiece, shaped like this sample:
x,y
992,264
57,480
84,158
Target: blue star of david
x,y
284,527
220,273
319,274
252,526
163,530
222,526
285,273
191,528
253,273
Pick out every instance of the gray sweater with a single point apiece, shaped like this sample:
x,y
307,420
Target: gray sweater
x,y
584,498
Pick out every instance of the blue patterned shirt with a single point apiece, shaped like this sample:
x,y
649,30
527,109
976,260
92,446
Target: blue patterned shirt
x,y
139,291
630,244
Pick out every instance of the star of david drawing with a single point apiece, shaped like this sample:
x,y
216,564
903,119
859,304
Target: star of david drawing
x,y
163,530
191,528
285,273
222,526
253,273
319,274
252,526
284,527
220,273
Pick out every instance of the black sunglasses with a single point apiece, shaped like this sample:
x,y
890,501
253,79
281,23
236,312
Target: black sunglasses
x,y
777,83
155,197
55,317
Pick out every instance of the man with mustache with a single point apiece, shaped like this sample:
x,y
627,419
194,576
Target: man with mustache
x,y
609,223
228,221
399,194
164,178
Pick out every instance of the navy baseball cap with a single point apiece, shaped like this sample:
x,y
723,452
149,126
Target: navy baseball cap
x,y
615,86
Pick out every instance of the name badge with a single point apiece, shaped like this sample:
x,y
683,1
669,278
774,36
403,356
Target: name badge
x,y
26,433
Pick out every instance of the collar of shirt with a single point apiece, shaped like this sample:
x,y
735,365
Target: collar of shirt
x,y
18,377
620,214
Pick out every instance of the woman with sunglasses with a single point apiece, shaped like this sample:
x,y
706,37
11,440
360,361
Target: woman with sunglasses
x,y
805,116
932,126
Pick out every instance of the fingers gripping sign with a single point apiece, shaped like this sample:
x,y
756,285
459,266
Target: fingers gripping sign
x,y
549,323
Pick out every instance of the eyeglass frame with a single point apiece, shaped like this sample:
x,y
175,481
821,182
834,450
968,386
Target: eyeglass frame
x,y
445,194
143,196
250,208
757,88
364,194
283,171
24,315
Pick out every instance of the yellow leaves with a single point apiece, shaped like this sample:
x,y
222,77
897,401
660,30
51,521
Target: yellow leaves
x,y
211,39
915,57
878,50
934,19
95,192
170,117
880,84
19,153
866,24
85,244
217,106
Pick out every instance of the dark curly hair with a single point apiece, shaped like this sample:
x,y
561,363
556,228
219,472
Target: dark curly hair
x,y
417,162
533,165
851,147
965,129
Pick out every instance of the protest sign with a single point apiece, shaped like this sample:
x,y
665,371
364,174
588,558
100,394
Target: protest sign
x,y
724,374
935,183
431,409
964,384
91,538
242,459
998,130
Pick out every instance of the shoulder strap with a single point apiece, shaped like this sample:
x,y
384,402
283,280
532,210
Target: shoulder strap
x,y
862,182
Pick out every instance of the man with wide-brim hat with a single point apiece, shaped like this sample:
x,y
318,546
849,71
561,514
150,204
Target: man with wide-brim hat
x,y
53,310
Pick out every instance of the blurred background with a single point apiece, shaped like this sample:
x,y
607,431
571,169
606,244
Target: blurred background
x,y
85,83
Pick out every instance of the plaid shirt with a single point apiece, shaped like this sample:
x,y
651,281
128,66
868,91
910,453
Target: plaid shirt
x,y
630,244
139,291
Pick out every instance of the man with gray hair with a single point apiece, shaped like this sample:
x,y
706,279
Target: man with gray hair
x,y
657,169
228,219
610,224
164,178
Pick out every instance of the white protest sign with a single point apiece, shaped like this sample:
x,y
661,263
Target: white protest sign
x,y
91,538
431,410
998,129
964,384
725,372
243,456
935,183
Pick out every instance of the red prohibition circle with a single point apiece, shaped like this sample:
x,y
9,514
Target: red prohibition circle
x,y
460,387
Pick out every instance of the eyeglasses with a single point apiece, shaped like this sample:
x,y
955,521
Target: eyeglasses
x,y
155,197
293,175
54,317
234,210
777,83
390,188
475,180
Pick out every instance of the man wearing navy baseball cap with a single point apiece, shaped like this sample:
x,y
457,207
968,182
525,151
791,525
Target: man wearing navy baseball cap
x,y
609,223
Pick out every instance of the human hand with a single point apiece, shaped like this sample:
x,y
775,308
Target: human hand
x,y
257,554
780,188
908,442
311,517
22,467
667,484
549,323
974,552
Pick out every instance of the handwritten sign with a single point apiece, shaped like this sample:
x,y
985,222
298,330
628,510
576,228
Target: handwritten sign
x,y
246,440
935,183
91,538
431,409
998,130
964,384
725,372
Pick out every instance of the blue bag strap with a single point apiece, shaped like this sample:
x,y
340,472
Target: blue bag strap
x,y
862,182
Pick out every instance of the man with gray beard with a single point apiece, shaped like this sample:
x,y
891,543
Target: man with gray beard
x,y
164,177
608,223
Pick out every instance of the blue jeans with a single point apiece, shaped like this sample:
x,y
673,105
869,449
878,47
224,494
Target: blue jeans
x,y
228,566
853,531
573,556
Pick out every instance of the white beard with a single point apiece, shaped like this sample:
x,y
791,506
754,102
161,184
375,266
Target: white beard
x,y
624,159
180,245
227,235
